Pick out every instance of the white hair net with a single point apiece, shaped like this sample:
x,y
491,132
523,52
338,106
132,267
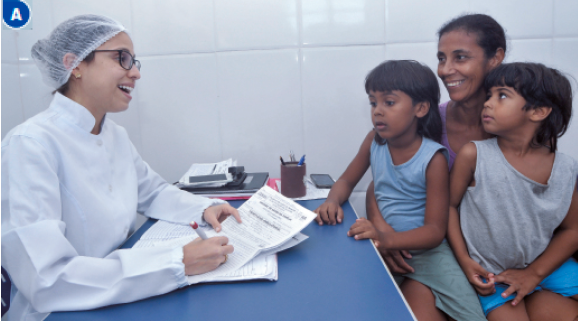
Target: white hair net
x,y
78,36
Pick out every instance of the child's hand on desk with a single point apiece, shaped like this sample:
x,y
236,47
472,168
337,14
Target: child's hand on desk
x,y
329,212
214,215
522,281
364,229
202,256
475,273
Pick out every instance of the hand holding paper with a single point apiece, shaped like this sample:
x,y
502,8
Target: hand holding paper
x,y
269,220
214,215
271,223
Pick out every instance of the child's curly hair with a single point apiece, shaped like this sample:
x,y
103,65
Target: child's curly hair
x,y
540,86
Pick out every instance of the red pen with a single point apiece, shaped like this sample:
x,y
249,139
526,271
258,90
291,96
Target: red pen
x,y
199,231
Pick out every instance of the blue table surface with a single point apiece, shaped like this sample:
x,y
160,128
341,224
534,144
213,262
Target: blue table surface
x,y
330,276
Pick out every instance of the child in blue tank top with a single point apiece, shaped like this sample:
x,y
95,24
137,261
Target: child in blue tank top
x,y
409,215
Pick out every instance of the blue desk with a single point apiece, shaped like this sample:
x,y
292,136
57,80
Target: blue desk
x,y
330,276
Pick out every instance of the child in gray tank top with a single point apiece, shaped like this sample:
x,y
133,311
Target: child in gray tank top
x,y
513,199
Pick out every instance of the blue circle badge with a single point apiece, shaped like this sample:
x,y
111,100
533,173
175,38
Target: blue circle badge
x,y
16,14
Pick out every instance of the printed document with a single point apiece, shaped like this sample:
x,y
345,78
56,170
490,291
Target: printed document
x,y
263,266
270,223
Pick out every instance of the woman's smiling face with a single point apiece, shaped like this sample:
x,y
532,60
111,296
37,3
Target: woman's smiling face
x,y
462,65
106,86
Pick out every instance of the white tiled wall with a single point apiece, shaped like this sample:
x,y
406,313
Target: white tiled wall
x,y
252,79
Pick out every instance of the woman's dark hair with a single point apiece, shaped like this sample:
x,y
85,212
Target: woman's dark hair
x,y
64,88
490,34
540,86
417,81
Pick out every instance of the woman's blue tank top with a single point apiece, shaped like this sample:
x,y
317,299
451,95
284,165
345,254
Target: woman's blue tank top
x,y
401,189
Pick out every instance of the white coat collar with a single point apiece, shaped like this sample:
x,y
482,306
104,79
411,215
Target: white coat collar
x,y
74,112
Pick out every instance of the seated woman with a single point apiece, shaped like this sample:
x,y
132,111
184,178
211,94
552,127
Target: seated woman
x,y
72,184
469,47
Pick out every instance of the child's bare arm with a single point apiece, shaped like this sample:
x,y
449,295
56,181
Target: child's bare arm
x,y
562,246
330,211
393,258
373,212
461,176
432,232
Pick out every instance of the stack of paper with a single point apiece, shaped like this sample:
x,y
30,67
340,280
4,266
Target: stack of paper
x,y
250,185
243,188
271,223
206,169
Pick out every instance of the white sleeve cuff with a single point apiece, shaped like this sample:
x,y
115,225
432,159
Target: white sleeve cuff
x,y
177,259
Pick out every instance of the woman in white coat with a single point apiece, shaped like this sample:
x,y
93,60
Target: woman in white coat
x,y
72,183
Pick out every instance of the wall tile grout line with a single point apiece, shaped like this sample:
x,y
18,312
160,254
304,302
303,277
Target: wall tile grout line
x,y
217,80
139,109
299,19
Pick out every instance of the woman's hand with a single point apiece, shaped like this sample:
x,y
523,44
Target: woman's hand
x,y
214,215
202,256
522,281
329,212
475,275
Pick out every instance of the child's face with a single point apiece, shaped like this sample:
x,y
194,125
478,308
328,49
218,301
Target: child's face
x,y
462,65
503,111
393,114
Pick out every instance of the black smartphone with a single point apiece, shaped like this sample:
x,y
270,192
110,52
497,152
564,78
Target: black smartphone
x,y
322,180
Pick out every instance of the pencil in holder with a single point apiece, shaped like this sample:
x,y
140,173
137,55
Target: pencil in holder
x,y
292,180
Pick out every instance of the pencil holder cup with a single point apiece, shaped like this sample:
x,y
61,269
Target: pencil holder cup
x,y
292,179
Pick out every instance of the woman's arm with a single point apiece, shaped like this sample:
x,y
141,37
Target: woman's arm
x,y
330,211
161,200
45,266
461,176
562,246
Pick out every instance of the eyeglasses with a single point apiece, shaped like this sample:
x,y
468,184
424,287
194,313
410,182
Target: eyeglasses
x,y
126,60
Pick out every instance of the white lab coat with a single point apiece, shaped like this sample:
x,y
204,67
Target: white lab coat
x,y
69,199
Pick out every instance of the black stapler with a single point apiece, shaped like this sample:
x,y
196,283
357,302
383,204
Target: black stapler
x,y
238,174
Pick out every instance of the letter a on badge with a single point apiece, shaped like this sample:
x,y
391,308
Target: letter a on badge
x,y
16,15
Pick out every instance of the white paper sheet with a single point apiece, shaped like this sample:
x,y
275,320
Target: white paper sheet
x,y
173,235
269,220
271,223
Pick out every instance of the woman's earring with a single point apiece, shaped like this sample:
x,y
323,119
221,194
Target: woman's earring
x,y
77,76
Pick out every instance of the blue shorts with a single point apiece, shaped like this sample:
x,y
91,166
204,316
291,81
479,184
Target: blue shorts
x,y
562,281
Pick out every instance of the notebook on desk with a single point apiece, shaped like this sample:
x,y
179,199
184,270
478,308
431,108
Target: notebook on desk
x,y
252,183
